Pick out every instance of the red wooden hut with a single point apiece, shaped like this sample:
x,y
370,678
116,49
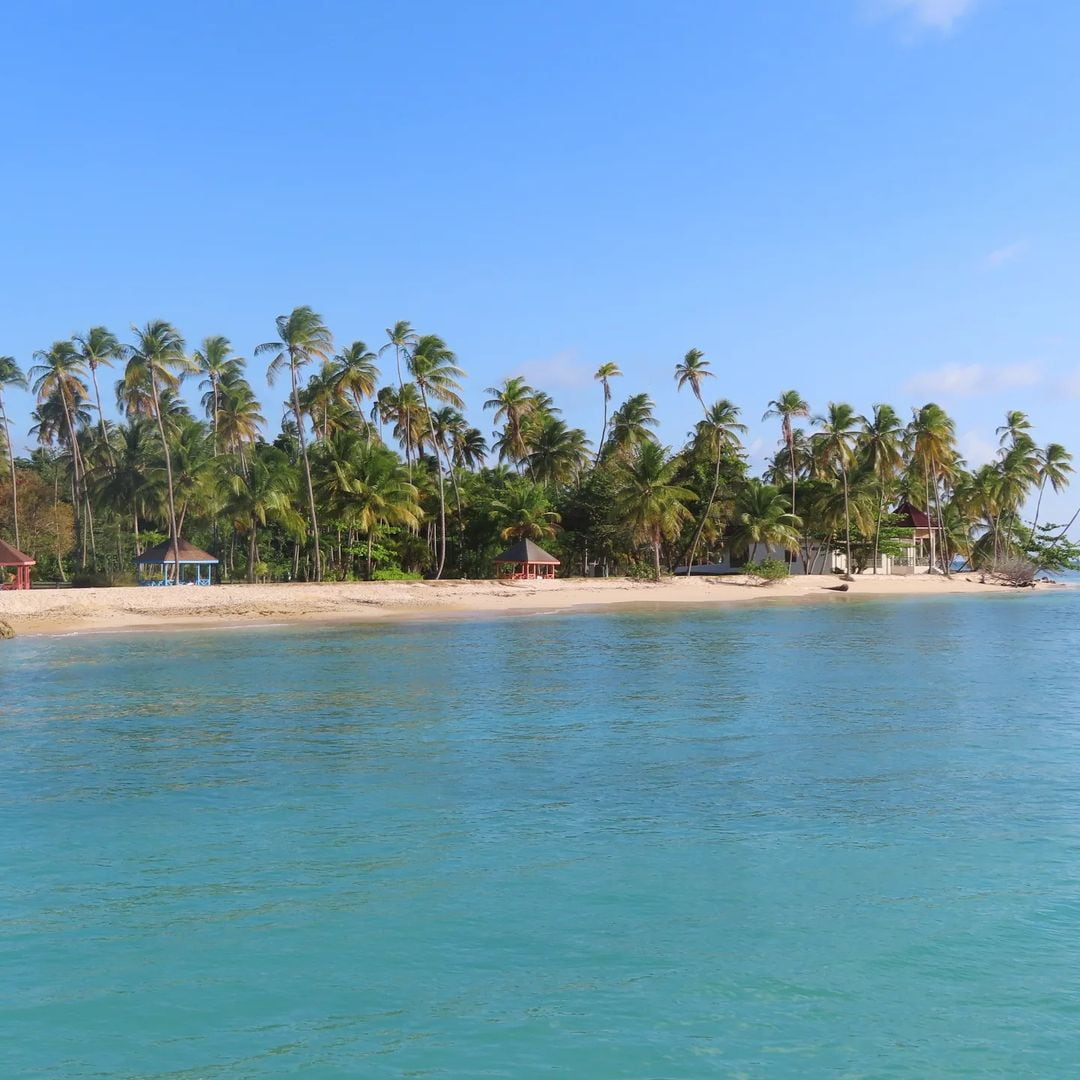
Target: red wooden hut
x,y
525,561
13,557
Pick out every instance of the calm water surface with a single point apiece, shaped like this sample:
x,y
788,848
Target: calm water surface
x,y
836,840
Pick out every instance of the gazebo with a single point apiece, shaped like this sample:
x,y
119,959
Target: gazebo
x,y
525,561
10,556
170,559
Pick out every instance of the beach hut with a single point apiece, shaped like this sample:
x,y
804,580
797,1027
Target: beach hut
x,y
172,562
525,561
13,557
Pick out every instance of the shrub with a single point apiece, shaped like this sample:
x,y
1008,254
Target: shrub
x,y
1014,570
392,573
767,571
641,571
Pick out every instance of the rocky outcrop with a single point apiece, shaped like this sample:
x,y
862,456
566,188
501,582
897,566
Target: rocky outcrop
x,y
5,631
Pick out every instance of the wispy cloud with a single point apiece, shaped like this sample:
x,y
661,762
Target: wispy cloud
x,y
563,370
976,449
1002,255
972,380
935,14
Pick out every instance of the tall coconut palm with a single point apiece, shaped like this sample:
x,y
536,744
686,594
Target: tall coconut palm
x,y
839,427
693,369
158,352
264,492
524,512
1016,426
10,375
512,403
302,337
649,500
717,435
630,426
401,337
1053,467
788,406
434,370
96,347
214,360
604,374
557,453
932,438
356,373
881,445
60,374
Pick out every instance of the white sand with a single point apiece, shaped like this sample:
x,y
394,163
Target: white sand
x,y
65,610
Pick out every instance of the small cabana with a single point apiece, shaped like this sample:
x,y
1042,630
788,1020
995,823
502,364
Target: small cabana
x,y
525,561
173,561
13,557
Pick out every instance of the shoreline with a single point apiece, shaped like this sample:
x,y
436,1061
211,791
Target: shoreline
x,y
133,609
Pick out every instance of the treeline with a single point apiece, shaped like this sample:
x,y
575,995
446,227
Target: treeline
x,y
377,473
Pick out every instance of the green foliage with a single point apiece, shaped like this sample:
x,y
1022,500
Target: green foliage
x,y
766,571
392,573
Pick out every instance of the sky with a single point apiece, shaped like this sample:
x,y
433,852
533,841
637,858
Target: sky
x,y
865,200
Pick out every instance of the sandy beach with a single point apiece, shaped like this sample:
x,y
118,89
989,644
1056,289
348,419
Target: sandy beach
x,y
50,611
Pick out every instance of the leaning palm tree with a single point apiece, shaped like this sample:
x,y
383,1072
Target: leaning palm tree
x,y
96,347
10,375
649,500
302,337
59,374
1054,466
433,368
718,434
836,440
158,353
691,371
604,374
788,406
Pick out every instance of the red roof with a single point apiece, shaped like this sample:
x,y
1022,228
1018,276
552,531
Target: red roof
x,y
914,518
11,556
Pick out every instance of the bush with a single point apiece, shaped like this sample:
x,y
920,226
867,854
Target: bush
x,y
1014,570
641,571
90,579
392,573
767,571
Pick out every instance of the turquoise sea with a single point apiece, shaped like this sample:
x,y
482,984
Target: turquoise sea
x,y
834,840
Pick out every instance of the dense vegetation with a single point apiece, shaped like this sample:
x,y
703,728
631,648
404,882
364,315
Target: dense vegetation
x,y
376,473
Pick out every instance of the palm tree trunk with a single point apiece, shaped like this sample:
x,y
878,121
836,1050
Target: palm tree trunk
x,y
56,521
251,553
705,516
76,485
847,523
173,534
1034,523
101,417
656,558
877,526
370,543
442,486
307,470
603,430
11,466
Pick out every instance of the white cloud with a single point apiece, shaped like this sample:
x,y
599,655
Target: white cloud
x,y
976,449
935,14
561,371
971,380
1069,385
1002,255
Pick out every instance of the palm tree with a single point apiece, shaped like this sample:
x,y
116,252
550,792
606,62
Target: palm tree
x,y
836,440
215,361
96,347
649,500
158,353
604,374
401,337
513,402
433,368
10,375
302,337
691,371
763,517
1016,426
882,447
356,373
630,424
264,492
557,452
1054,465
525,512
59,374
718,434
932,438
788,406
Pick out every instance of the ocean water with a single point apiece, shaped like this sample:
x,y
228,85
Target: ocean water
x,y
839,840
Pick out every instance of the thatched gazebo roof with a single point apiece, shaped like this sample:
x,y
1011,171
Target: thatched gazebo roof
x,y
164,553
525,551
12,556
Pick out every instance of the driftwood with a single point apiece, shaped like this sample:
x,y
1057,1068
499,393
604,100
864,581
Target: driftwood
x,y
837,588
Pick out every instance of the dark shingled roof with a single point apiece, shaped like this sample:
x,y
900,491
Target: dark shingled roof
x,y
913,518
525,551
163,553
12,556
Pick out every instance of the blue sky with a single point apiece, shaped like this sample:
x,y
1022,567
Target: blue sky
x,y
867,200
